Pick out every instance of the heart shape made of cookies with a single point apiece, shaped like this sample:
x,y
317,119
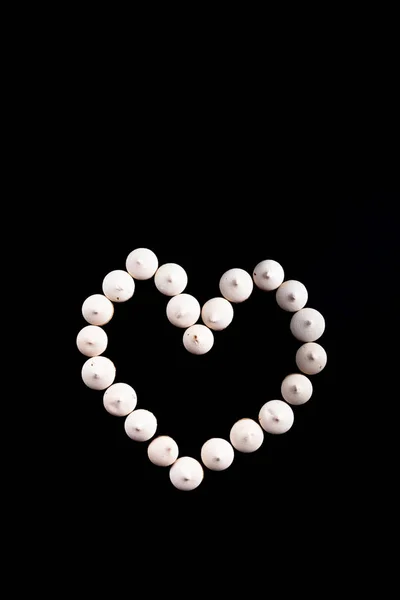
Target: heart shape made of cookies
x,y
183,310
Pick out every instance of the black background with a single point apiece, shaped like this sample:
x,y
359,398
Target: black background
x,y
216,157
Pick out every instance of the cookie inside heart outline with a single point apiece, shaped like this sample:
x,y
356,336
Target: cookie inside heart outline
x,y
183,310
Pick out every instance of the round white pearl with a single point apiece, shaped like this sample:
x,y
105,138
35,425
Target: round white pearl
x,y
186,473
311,358
118,286
140,425
217,313
98,372
183,310
170,279
276,416
236,285
296,389
142,263
92,340
307,325
246,435
120,399
292,295
198,339
268,275
163,451
217,454
97,309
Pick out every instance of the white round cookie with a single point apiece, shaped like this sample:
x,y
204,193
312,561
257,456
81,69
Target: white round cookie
x,y
307,325
217,454
118,286
198,339
276,417
311,358
296,389
97,309
98,372
120,399
183,310
292,295
140,425
92,340
163,451
236,285
268,275
186,473
246,435
142,263
217,313
171,279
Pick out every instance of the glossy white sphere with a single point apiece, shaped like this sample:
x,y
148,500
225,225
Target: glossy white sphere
x,y
276,417
217,454
183,310
97,309
307,325
98,372
217,313
170,279
246,435
296,389
92,340
120,399
140,425
292,295
268,275
198,339
163,451
118,286
236,285
186,473
142,263
311,358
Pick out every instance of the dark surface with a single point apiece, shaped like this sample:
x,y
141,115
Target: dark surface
x,y
212,164
326,238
